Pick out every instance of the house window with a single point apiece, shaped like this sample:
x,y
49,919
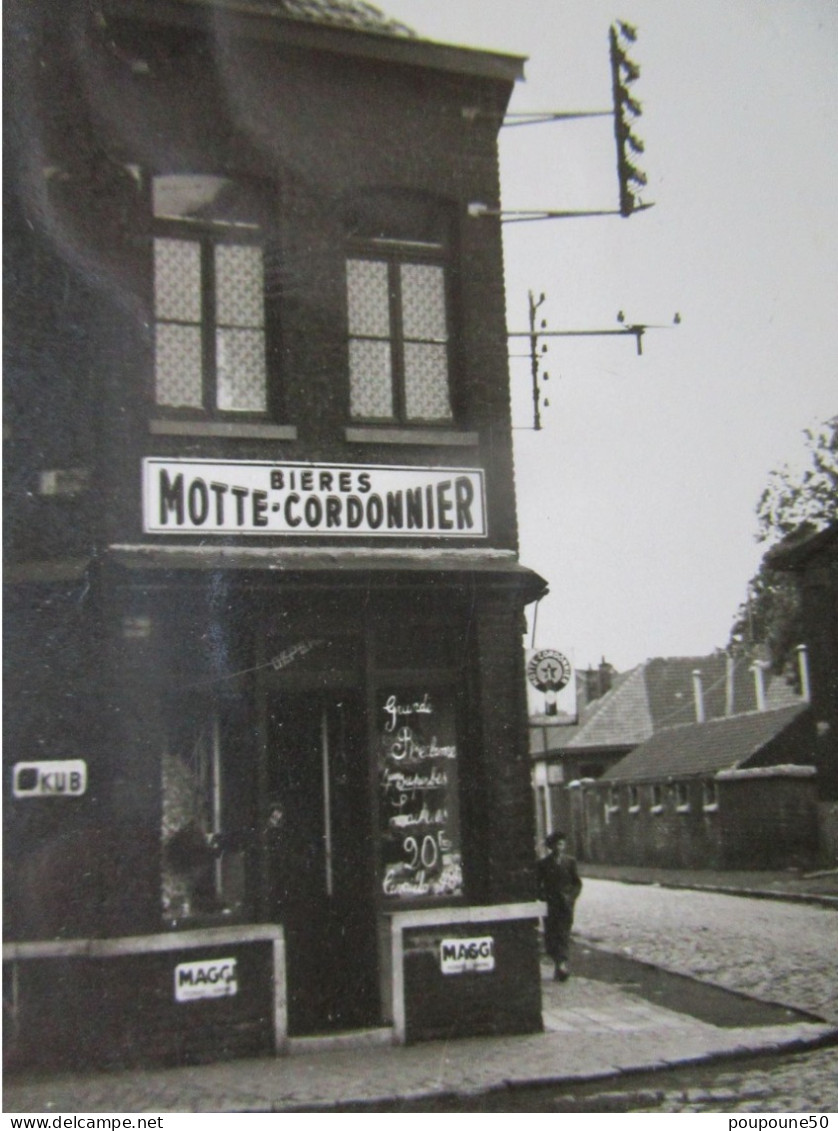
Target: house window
x,y
398,337
634,799
209,305
682,797
709,796
612,800
657,799
399,279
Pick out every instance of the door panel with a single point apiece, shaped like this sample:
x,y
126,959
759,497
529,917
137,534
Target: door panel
x,y
323,859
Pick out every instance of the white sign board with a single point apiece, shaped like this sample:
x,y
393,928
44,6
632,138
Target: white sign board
x,y
329,499
49,779
209,977
457,956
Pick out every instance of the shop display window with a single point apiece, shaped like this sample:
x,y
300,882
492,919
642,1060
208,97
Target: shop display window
x,y
203,857
418,774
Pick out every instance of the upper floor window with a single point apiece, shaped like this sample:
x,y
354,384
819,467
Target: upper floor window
x,y
209,297
398,312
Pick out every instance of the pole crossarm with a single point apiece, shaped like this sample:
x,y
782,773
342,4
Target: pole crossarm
x,y
633,329
538,117
527,215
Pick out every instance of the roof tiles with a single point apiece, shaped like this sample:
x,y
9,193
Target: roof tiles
x,y
701,748
353,14
660,693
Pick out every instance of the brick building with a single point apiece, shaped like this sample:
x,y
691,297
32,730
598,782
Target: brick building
x,y
732,792
659,693
266,752
811,556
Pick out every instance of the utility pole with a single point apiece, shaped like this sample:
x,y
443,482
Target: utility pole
x,y
534,359
625,112
538,330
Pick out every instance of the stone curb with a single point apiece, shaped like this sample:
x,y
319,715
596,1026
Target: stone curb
x,y
799,1043
822,900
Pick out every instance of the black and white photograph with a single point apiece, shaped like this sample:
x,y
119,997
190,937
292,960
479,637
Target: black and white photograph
x,y
420,613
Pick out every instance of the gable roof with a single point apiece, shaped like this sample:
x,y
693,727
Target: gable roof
x,y
351,28
704,748
545,737
623,718
353,14
659,693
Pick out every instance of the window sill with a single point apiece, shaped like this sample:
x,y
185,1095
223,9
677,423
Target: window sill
x,y
223,429
714,808
634,809
656,809
429,437
682,808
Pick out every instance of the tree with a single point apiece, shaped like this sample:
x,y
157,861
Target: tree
x,y
768,623
793,498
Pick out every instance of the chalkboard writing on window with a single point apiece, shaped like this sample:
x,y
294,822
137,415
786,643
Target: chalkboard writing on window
x,y
419,815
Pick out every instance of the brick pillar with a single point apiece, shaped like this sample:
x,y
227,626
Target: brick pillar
x,y
508,818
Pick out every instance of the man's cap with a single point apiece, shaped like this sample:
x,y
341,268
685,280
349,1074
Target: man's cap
x,y
554,838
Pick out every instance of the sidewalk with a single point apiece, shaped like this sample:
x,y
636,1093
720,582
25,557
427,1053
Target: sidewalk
x,y
595,1030
819,888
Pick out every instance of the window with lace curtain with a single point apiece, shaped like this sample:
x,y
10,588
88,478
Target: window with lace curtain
x,y
397,283
209,297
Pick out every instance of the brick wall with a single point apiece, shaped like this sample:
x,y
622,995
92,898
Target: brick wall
x,y
507,823
765,822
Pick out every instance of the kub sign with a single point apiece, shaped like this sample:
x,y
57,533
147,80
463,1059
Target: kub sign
x,y
49,779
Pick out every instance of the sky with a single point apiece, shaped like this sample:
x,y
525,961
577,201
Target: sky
x,y
636,500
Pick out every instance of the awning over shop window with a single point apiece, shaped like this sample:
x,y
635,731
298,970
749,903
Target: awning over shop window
x,y
500,566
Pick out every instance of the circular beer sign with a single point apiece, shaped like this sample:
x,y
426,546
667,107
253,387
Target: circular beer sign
x,y
549,670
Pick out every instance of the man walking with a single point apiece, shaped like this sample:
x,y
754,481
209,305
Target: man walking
x,y
559,886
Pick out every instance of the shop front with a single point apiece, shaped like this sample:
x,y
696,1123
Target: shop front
x,y
332,749
322,768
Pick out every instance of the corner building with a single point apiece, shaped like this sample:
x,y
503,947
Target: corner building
x,y
266,754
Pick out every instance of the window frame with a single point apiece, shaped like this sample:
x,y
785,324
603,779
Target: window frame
x,y
396,253
209,235
709,796
681,795
212,728
612,800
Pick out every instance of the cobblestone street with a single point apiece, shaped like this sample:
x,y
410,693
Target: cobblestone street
x,y
805,1083
770,949
620,1036
773,950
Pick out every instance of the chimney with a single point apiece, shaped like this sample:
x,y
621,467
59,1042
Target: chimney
x,y
803,667
730,668
698,695
606,672
759,683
